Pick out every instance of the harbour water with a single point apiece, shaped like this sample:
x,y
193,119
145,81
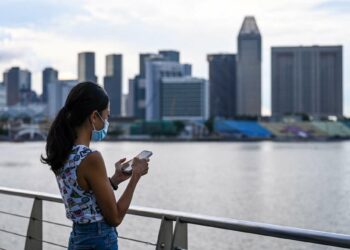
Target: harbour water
x,y
304,185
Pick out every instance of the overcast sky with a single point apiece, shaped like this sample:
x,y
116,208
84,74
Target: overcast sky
x,y
41,33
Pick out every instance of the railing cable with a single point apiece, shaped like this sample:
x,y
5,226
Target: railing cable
x,y
59,245
139,241
32,238
17,215
68,226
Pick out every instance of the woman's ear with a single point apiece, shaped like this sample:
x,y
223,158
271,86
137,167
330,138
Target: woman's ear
x,y
92,117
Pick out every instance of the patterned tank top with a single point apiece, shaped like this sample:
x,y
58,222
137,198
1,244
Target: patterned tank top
x,y
81,206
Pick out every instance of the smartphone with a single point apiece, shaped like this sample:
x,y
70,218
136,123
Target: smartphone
x,y
127,166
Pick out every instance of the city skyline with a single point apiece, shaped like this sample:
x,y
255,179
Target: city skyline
x,y
132,28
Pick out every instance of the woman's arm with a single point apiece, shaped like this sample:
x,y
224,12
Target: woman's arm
x,y
96,176
119,176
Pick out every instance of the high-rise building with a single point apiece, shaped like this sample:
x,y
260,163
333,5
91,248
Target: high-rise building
x,y
25,80
183,98
57,93
50,75
86,67
156,69
2,95
113,83
249,69
137,88
130,98
18,85
307,80
137,91
142,63
170,55
124,105
222,85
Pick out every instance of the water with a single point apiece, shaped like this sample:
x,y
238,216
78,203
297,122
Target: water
x,y
303,185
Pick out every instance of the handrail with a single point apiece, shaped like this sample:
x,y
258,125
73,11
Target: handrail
x,y
183,218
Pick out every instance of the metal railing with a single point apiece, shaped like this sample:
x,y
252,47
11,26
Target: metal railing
x,y
170,237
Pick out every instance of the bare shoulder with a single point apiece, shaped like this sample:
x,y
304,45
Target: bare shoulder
x,y
93,162
94,157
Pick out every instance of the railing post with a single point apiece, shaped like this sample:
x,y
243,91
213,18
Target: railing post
x,y
165,235
180,241
35,227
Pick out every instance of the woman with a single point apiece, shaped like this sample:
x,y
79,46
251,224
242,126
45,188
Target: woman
x,y
81,174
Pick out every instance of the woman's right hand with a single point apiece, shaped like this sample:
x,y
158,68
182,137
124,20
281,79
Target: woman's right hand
x,y
139,167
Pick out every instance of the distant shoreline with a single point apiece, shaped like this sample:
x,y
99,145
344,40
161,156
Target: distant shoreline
x,y
155,139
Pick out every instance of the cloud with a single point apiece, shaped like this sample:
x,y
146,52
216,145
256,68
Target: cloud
x,y
43,33
38,13
6,55
333,6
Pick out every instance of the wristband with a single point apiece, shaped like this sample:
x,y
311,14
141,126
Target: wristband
x,y
113,186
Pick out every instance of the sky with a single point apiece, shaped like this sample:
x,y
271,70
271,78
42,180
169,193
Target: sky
x,y
41,33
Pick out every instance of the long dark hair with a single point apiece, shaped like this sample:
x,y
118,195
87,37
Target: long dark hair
x,y
83,99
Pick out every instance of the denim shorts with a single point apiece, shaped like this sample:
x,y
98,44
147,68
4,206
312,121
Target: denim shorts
x,y
97,236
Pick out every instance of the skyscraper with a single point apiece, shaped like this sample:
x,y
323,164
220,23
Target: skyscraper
x,y
130,99
170,55
144,89
50,75
156,69
307,80
113,83
142,63
222,85
86,67
183,98
18,85
2,95
249,69
137,87
57,93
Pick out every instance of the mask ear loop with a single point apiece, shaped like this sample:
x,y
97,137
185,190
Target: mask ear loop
x,y
100,116
93,126
93,123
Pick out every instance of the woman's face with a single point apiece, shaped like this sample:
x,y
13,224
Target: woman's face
x,y
99,118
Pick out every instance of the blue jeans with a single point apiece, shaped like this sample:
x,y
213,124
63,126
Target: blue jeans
x,y
97,236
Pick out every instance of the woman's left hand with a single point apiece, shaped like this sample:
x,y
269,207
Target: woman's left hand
x,y
119,176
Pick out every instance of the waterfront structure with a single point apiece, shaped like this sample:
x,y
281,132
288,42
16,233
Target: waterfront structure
x,y
2,95
144,97
222,85
307,80
49,75
170,55
249,69
156,69
137,90
18,85
86,67
184,98
113,83
57,95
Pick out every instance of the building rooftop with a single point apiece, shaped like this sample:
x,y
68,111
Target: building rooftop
x,y
249,27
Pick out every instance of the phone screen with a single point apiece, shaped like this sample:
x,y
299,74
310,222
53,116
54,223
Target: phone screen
x,y
127,166
144,154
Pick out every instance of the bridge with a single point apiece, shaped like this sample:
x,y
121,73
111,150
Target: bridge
x,y
28,131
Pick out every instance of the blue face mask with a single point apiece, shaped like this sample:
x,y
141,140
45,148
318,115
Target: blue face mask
x,y
99,135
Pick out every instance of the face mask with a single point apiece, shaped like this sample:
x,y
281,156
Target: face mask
x,y
100,134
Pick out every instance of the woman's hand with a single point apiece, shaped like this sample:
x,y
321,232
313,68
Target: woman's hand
x,y
119,176
139,167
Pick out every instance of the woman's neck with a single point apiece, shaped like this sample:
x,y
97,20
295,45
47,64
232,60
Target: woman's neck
x,y
83,137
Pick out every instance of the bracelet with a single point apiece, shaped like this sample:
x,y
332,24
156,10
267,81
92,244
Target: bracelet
x,y
112,184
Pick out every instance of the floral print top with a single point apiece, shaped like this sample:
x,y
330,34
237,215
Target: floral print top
x,y
81,206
